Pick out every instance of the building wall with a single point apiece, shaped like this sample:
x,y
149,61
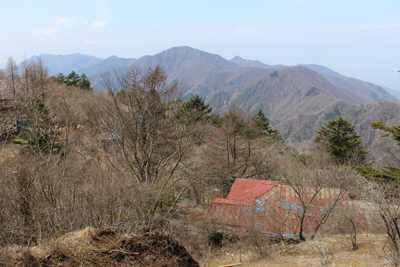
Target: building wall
x,y
278,211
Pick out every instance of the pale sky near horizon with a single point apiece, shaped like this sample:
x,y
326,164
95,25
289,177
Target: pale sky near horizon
x,y
357,38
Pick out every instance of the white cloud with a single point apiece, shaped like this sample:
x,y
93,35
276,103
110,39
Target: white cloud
x,y
90,42
65,21
98,24
49,31
85,22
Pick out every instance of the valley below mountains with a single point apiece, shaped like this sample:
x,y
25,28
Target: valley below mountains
x,y
298,99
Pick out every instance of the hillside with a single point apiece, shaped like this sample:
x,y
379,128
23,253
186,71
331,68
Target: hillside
x,y
337,253
109,63
197,68
298,99
302,128
101,247
138,165
67,63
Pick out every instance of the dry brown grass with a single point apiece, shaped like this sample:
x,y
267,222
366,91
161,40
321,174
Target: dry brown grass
x,y
101,247
10,151
307,254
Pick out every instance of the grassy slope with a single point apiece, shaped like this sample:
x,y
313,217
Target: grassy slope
x,y
306,254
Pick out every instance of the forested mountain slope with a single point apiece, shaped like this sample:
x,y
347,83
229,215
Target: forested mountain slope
x,y
298,99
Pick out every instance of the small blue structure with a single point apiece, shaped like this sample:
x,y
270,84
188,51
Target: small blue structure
x,y
22,123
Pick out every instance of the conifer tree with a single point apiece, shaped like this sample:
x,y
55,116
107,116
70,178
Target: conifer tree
x,y
39,129
393,130
262,123
60,78
340,139
72,79
84,82
388,174
193,111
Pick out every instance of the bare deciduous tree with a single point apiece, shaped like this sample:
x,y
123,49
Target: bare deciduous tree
x,y
318,178
385,198
13,78
42,74
235,150
138,134
346,220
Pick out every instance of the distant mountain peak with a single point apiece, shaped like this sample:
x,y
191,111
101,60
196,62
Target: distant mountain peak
x,y
112,57
236,58
176,58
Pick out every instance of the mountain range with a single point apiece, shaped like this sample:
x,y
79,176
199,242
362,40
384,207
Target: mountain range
x,y
298,99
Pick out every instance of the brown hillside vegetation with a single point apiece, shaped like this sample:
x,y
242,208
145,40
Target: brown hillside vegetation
x,y
294,97
101,247
140,161
337,252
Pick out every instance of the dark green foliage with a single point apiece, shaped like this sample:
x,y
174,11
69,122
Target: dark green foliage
x,y
388,174
262,122
121,94
84,82
313,91
193,110
274,74
376,97
73,79
393,130
340,139
385,174
60,78
41,129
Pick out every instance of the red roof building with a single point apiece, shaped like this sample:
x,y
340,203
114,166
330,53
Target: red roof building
x,y
276,208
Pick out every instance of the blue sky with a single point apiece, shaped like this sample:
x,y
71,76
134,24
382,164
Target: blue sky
x,y
357,38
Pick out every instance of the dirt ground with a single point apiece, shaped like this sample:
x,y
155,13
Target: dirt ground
x,y
308,254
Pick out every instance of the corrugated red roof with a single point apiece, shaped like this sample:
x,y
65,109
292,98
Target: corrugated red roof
x,y
235,215
247,191
279,214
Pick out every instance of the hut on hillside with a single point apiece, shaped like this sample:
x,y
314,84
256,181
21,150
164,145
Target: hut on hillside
x,y
277,209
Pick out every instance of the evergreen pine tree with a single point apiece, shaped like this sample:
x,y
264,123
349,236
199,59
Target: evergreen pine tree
x,y
340,139
60,78
393,130
262,123
193,111
72,79
40,129
84,82
385,174
388,174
